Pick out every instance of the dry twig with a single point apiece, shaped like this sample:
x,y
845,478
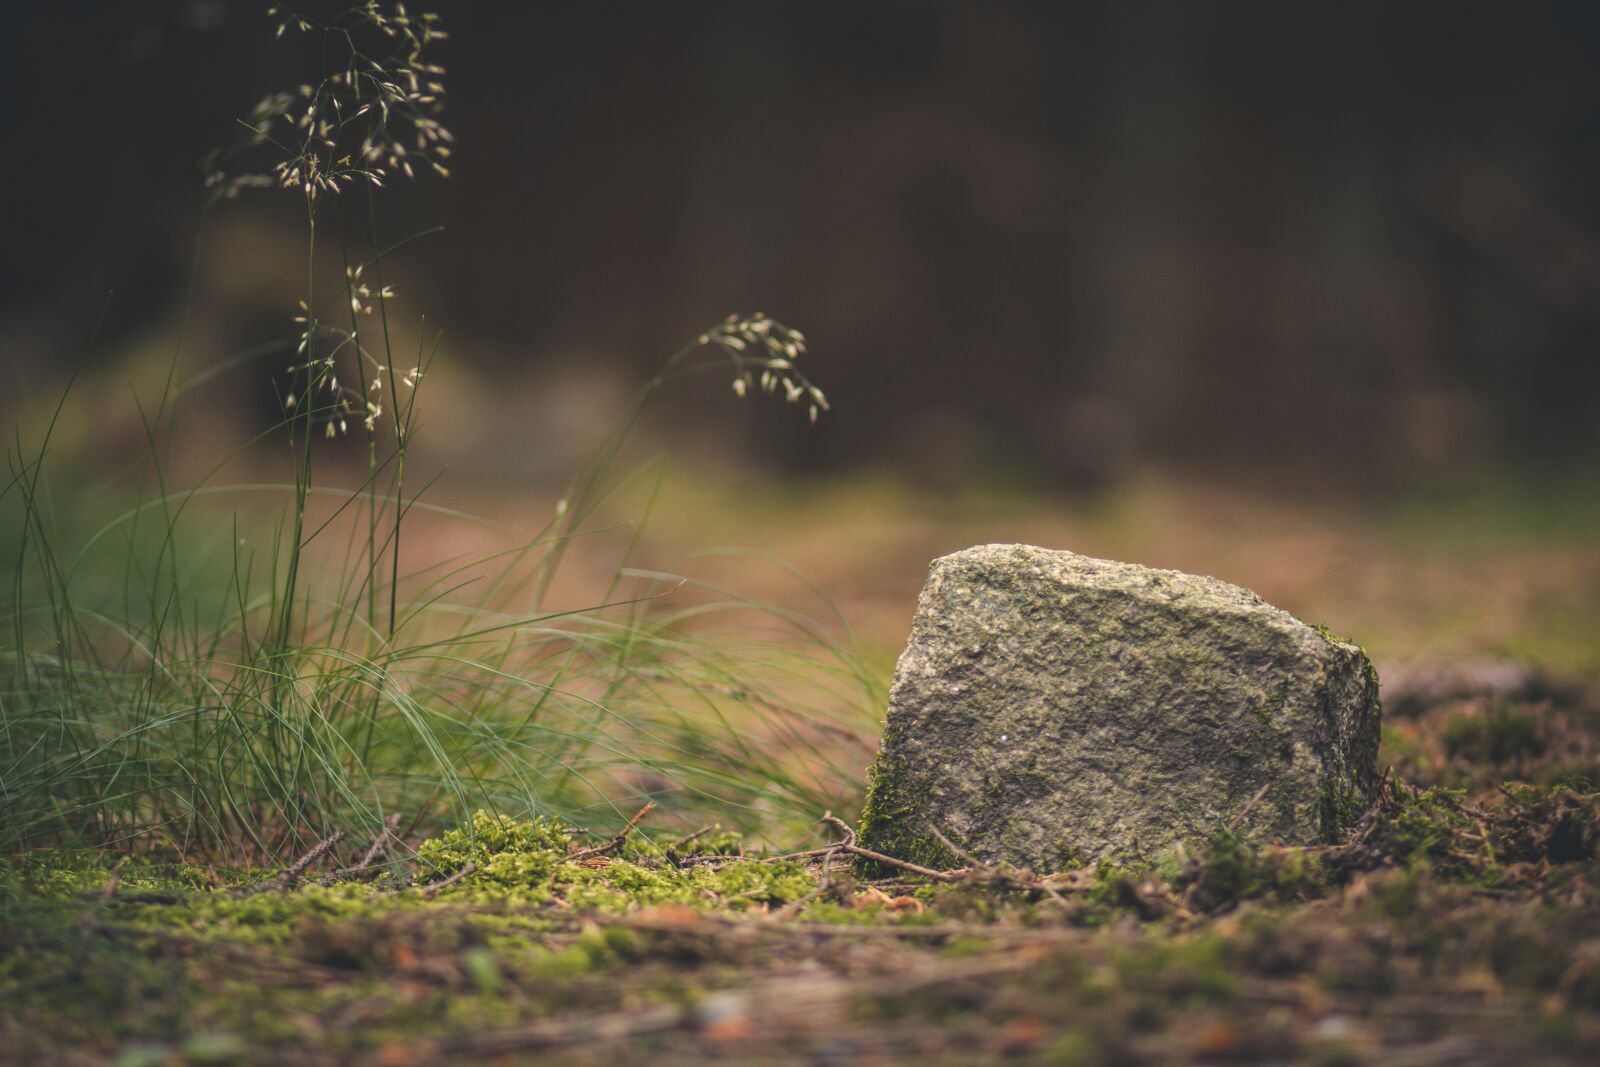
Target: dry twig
x,y
1233,824
620,839
824,886
433,887
291,877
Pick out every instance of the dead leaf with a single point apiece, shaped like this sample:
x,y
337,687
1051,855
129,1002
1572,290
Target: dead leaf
x,y
870,897
906,905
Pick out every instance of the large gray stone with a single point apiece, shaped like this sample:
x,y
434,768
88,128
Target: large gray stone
x,y
1050,706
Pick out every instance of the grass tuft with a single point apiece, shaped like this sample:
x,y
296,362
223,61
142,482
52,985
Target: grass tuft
x,y
229,674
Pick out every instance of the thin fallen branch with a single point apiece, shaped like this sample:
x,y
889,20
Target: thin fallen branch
x,y
684,841
854,850
904,865
618,841
303,864
380,845
672,850
847,845
845,828
957,851
1233,823
291,877
437,884
977,871
824,886
995,874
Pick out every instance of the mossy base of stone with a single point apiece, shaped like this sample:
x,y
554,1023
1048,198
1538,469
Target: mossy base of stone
x,y
1052,709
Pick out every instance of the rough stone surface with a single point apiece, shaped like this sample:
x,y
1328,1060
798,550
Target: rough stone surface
x,y
1050,706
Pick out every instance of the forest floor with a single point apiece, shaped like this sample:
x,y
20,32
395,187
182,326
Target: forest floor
x,y
1460,924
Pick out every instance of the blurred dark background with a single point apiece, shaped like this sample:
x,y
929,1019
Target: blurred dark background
x,y
1318,245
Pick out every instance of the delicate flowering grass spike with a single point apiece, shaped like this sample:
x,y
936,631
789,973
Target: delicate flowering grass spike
x,y
374,115
764,352
374,112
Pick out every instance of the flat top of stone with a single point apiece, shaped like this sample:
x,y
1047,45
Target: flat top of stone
x,y
1191,592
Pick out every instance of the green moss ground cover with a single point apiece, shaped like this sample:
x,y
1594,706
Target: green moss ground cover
x,y
1460,923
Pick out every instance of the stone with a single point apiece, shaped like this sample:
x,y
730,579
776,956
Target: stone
x,y
1052,708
